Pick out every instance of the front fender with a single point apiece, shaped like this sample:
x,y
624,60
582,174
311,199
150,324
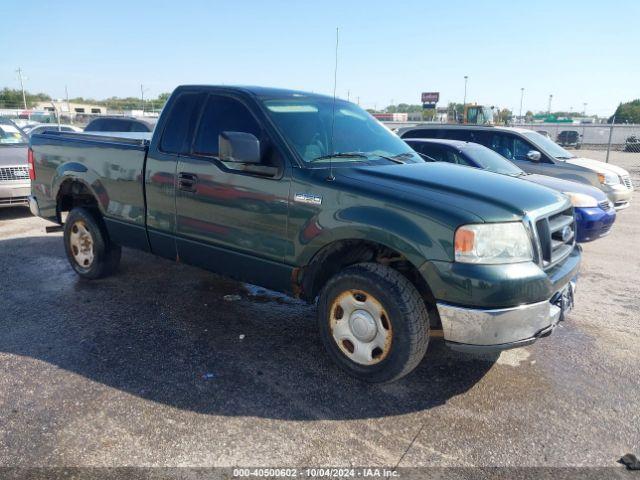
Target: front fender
x,y
399,231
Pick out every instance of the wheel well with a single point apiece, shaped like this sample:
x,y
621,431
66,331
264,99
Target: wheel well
x,y
338,255
72,194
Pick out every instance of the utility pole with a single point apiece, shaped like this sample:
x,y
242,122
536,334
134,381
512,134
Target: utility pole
x,y
464,101
549,109
348,95
142,98
521,98
24,96
584,109
66,94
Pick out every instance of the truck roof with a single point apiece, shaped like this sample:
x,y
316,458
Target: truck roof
x,y
262,92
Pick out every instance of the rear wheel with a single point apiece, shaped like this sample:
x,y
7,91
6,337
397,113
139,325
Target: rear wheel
x,y
373,322
89,250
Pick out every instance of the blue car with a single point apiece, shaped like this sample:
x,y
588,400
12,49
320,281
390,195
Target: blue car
x,y
594,212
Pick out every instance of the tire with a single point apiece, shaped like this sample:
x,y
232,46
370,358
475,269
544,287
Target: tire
x,y
89,250
392,304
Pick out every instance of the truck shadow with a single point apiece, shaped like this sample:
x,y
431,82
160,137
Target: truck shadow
x,y
12,213
166,333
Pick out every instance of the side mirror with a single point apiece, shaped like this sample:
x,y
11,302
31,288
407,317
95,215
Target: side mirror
x,y
238,147
534,155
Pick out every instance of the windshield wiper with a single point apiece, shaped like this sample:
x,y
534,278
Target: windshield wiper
x,y
341,155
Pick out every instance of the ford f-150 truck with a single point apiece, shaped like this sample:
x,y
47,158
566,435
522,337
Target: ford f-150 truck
x,y
312,196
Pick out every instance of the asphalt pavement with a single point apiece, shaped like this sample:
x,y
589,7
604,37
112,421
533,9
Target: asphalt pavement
x,y
167,365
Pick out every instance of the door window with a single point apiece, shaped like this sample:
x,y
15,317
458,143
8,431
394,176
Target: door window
x,y
222,114
503,144
180,123
521,148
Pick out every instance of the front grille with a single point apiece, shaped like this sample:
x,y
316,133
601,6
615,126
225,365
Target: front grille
x,y
9,174
556,234
605,205
627,182
14,201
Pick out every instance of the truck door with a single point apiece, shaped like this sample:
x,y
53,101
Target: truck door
x,y
172,139
229,218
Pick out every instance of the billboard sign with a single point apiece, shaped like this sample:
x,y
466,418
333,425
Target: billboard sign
x,y
430,97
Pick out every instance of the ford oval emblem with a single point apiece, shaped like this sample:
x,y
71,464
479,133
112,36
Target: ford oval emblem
x,y
566,233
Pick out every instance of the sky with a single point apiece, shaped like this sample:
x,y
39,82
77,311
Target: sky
x,y
389,51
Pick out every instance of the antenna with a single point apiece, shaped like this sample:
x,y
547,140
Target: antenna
x,y
333,111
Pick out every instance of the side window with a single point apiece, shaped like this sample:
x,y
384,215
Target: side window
x,y
458,134
521,148
455,157
422,133
222,114
432,151
503,144
95,126
138,127
180,123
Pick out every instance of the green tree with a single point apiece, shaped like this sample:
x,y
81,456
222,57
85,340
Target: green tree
x,y
628,112
12,98
504,116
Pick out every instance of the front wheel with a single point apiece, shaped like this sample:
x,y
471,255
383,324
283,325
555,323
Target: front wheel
x,y
373,322
89,250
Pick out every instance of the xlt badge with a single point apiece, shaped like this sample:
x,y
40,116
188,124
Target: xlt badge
x,y
308,198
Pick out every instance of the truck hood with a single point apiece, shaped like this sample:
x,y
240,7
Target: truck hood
x,y
562,185
12,155
489,196
597,166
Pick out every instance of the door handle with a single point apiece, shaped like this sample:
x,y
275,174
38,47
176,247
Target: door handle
x,y
187,181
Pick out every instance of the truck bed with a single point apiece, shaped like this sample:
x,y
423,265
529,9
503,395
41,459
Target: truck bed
x,y
110,165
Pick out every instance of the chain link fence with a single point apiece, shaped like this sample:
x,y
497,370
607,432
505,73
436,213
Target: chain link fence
x,y
618,144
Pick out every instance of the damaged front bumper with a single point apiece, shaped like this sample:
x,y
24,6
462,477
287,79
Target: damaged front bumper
x,y
485,330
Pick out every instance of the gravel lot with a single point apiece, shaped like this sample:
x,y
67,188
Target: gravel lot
x,y
153,367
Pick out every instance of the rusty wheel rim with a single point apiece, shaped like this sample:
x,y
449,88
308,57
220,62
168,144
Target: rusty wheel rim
x,y
360,327
81,244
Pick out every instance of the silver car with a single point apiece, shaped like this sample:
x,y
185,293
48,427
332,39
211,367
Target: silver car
x,y
15,185
535,153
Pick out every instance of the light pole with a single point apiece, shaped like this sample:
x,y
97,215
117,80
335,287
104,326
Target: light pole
x,y
464,101
24,97
549,109
584,109
521,98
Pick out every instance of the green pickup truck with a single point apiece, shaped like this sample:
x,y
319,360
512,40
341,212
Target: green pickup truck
x,y
312,196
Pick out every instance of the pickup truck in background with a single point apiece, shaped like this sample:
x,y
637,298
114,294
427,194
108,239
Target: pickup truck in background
x,y
311,196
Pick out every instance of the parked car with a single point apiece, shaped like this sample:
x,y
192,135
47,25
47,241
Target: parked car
x,y
535,153
50,127
632,144
569,138
15,186
594,211
121,124
388,244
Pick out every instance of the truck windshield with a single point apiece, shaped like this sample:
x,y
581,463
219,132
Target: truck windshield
x,y
307,124
548,145
491,161
10,134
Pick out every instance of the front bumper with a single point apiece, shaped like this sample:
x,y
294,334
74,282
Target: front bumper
x,y
593,223
486,330
14,194
619,195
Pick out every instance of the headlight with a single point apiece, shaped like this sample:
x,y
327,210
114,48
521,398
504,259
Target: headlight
x,y
581,199
492,243
608,178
